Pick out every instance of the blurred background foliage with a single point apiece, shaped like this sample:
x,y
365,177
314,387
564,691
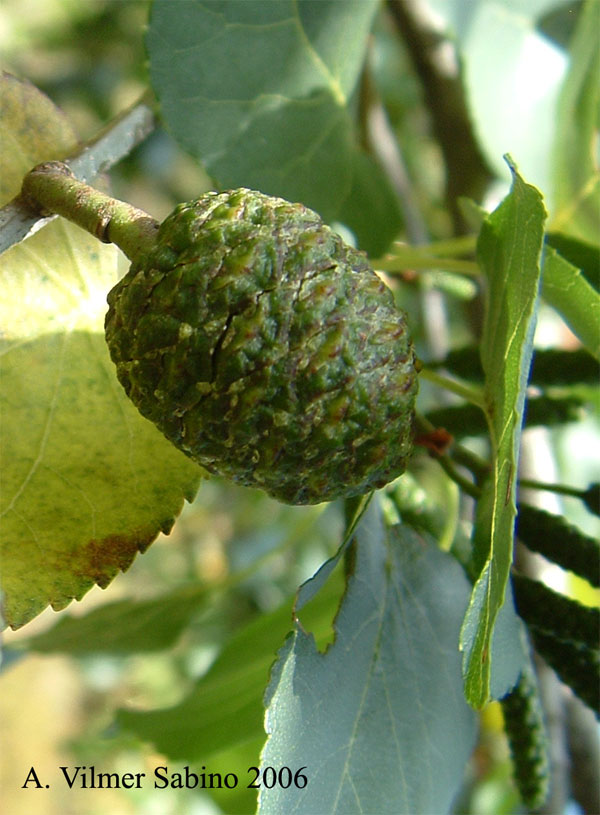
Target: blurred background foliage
x,y
248,552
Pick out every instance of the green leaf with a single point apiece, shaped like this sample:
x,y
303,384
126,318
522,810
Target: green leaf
x,y
240,800
86,482
123,627
575,164
225,706
567,290
375,722
583,255
261,93
508,251
370,209
32,130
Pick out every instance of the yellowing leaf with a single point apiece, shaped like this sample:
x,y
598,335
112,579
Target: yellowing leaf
x,y
86,481
32,130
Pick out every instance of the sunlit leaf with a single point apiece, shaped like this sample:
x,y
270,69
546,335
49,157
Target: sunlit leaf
x,y
86,482
565,288
508,250
581,254
32,129
575,165
512,77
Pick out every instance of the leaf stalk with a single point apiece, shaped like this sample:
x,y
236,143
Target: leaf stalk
x,y
51,187
470,393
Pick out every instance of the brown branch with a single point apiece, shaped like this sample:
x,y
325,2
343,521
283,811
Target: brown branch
x,y
466,171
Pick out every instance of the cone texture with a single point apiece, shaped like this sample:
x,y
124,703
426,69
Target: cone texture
x,y
266,349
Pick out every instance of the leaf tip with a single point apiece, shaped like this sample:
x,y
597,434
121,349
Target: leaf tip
x,y
512,165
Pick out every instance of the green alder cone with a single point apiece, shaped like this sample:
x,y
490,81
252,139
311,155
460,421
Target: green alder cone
x,y
266,349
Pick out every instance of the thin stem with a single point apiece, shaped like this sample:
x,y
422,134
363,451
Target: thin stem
x,y
384,145
419,260
296,536
445,99
441,255
452,247
470,393
479,467
52,187
562,489
465,484
461,456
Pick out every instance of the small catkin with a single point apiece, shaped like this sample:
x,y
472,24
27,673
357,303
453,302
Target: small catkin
x,y
559,541
526,733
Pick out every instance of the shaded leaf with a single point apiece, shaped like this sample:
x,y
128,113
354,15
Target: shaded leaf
x,y
508,251
510,651
371,208
378,720
86,481
261,93
355,508
225,707
123,627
